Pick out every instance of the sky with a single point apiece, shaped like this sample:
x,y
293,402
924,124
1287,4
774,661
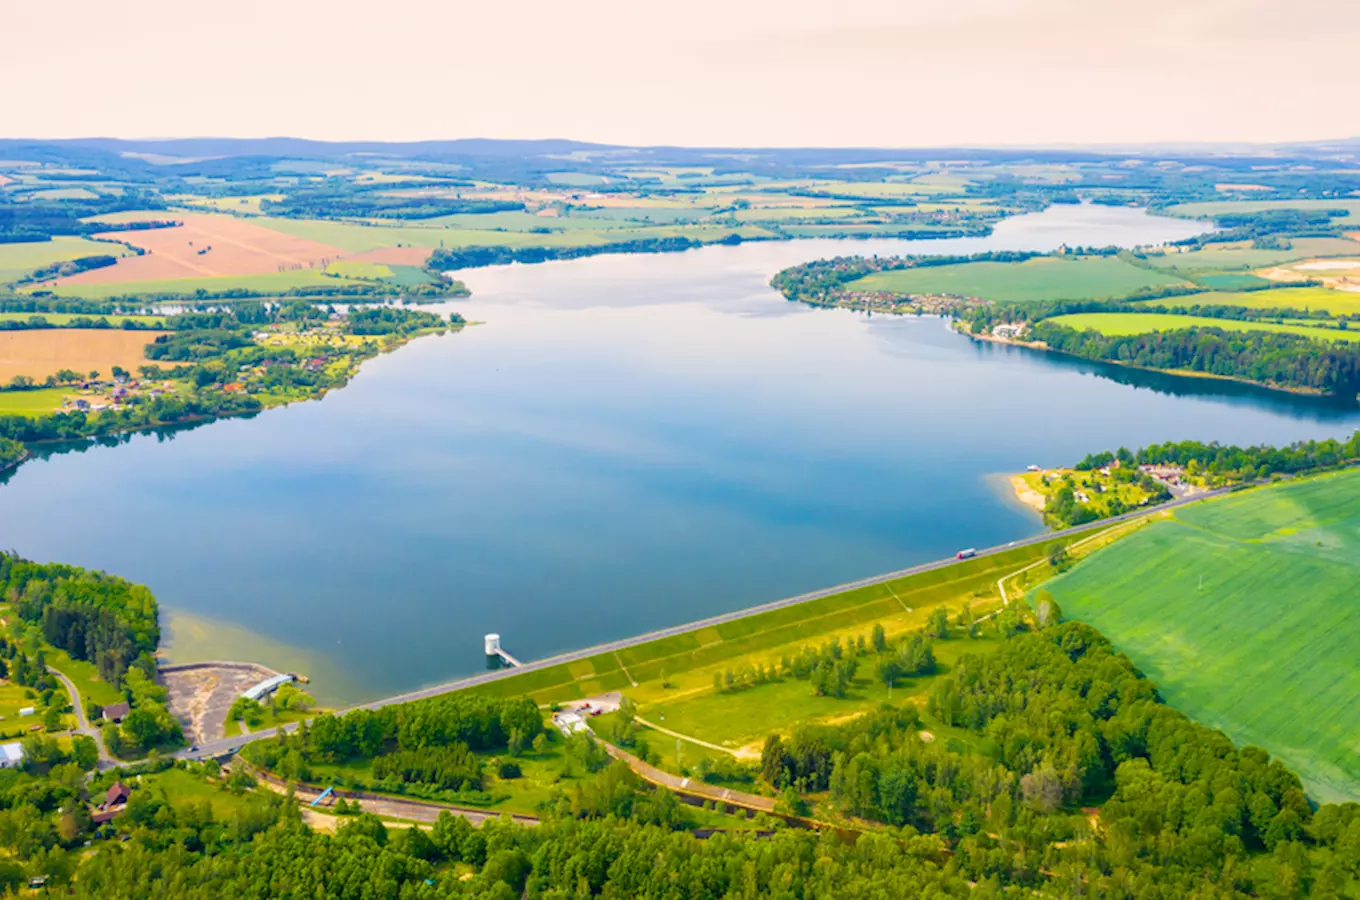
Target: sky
x,y
888,73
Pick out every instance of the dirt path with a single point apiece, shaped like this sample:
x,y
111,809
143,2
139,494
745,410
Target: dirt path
x,y
685,737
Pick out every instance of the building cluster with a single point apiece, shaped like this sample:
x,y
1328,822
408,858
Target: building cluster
x,y
97,396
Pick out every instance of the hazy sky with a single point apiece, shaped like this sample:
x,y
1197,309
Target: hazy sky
x,y
700,72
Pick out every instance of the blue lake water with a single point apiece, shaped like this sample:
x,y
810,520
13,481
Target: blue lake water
x,y
625,442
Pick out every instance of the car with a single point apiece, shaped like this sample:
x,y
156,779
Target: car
x,y
193,748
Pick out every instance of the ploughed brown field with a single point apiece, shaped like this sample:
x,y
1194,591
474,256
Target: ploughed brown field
x,y
45,351
394,256
207,246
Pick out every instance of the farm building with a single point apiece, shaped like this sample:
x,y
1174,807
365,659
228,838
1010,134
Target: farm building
x,y
115,801
11,755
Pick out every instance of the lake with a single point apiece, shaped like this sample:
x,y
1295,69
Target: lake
x,y
622,443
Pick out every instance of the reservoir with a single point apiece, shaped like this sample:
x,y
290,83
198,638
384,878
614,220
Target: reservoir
x,y
622,443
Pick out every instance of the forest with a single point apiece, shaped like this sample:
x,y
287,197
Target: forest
x,y
1275,359
96,618
1059,773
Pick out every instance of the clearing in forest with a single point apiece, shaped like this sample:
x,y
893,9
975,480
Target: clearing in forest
x,y
1243,611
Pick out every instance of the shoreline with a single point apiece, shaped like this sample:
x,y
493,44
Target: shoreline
x,y
1183,373
87,440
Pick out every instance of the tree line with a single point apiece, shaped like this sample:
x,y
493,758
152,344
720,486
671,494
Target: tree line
x,y
1265,357
1233,463
1076,780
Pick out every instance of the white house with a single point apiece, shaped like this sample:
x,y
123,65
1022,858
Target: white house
x,y
11,755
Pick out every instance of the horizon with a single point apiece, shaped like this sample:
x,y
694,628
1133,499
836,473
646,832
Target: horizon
x,y
977,73
1111,147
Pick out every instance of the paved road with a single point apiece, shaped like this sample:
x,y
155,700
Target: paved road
x,y
229,745
83,724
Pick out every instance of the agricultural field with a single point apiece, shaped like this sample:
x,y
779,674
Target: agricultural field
x,y
1042,278
1341,274
1336,303
42,352
1243,611
205,246
17,260
248,205
1227,207
273,282
1119,324
1242,255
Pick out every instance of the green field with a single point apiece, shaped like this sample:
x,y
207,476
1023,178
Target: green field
x,y
1233,281
353,237
1243,256
17,260
680,668
353,268
1336,303
1244,613
271,282
1142,323
1225,207
1043,278
31,403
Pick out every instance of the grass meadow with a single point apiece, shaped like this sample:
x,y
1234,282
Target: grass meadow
x,y
1243,611
32,403
671,678
17,260
1143,323
1043,278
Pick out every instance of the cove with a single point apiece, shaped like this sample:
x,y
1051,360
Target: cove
x,y
623,443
